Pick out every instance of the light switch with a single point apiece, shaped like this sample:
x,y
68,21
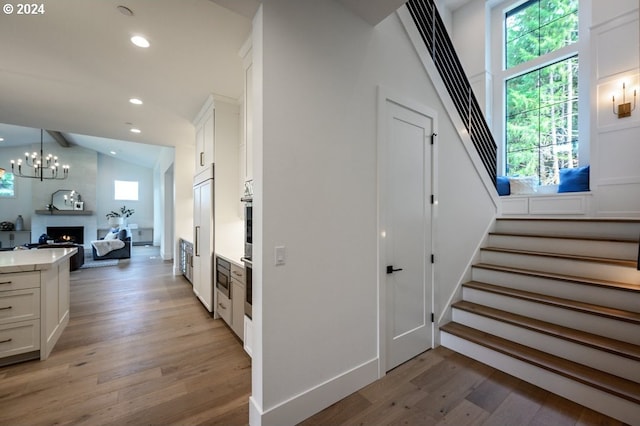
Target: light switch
x,y
280,255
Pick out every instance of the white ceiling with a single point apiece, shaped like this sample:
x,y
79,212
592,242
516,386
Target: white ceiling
x,y
72,69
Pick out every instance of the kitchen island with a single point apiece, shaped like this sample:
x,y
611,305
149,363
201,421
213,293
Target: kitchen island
x,y
34,302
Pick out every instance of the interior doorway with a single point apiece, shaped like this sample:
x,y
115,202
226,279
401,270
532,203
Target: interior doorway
x,y
406,273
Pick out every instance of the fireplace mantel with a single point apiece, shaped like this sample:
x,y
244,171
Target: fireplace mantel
x,y
65,212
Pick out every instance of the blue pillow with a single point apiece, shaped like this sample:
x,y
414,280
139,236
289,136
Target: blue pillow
x,y
504,188
574,180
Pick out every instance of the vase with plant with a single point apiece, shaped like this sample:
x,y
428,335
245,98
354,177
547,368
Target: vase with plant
x,y
117,217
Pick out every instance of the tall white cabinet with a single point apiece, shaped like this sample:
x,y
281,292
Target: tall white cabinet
x,y
203,237
216,195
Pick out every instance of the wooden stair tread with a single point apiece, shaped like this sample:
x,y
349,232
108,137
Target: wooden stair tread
x,y
615,385
568,278
573,237
617,314
613,346
620,262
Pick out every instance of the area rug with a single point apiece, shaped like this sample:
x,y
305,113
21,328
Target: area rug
x,y
99,263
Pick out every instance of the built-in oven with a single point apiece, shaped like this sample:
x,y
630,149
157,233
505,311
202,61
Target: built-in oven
x,y
248,294
223,276
247,199
248,226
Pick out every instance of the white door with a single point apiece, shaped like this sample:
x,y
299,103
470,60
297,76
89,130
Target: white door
x,y
407,228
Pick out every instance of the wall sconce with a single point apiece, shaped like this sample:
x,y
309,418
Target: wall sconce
x,y
624,109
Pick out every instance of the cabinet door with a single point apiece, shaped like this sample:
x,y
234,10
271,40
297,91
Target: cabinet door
x,y
237,300
203,238
204,124
224,308
199,148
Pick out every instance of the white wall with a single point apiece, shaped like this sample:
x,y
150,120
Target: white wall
x,y
317,69
615,54
111,169
181,160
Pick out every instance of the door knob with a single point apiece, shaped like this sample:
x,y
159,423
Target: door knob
x,y
390,269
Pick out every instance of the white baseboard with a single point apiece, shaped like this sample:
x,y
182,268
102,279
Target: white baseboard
x,y
306,404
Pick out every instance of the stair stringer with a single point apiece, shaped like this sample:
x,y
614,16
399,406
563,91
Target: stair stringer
x,y
587,396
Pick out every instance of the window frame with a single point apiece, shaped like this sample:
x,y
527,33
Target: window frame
x,y
496,48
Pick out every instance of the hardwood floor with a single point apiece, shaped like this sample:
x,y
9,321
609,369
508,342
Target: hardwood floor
x,y
140,350
441,387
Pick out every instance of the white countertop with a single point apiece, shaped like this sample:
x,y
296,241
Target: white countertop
x,y
33,260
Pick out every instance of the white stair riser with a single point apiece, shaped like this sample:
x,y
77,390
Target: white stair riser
x,y
604,249
578,268
619,299
615,230
603,326
585,355
618,408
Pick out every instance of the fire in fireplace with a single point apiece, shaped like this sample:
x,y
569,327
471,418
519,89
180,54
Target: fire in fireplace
x,y
66,234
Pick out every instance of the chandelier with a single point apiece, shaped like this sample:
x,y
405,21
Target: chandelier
x,y
37,164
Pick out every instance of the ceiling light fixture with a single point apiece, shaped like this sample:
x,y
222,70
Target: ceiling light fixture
x,y
1,139
134,130
112,152
125,10
140,41
38,165
135,101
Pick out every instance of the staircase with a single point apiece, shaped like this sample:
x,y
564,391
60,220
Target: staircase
x,y
556,303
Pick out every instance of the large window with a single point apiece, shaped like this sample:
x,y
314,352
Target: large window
x,y
541,89
7,182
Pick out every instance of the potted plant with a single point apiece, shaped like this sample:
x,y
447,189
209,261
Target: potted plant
x,y
116,218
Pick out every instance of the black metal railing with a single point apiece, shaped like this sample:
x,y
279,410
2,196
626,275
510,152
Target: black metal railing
x,y
435,36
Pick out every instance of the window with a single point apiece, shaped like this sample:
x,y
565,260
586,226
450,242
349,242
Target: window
x,y
541,89
7,188
125,190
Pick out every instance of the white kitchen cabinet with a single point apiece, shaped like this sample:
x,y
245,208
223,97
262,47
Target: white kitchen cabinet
x,y
248,335
204,124
246,145
203,237
34,310
237,300
224,308
14,238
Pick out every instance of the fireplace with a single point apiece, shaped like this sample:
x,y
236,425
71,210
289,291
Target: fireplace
x,y
66,234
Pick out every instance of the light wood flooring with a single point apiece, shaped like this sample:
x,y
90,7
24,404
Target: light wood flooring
x,y
141,350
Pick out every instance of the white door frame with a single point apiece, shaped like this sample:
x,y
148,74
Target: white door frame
x,y
385,95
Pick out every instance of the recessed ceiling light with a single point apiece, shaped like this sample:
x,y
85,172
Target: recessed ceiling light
x,y
134,130
125,10
140,41
135,101
112,152
1,139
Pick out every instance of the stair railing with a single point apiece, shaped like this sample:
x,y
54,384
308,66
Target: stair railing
x,y
440,48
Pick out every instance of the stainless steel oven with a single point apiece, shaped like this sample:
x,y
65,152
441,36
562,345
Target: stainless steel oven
x,y
248,276
248,226
223,276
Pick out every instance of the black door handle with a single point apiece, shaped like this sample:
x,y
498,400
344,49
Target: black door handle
x,y
390,269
